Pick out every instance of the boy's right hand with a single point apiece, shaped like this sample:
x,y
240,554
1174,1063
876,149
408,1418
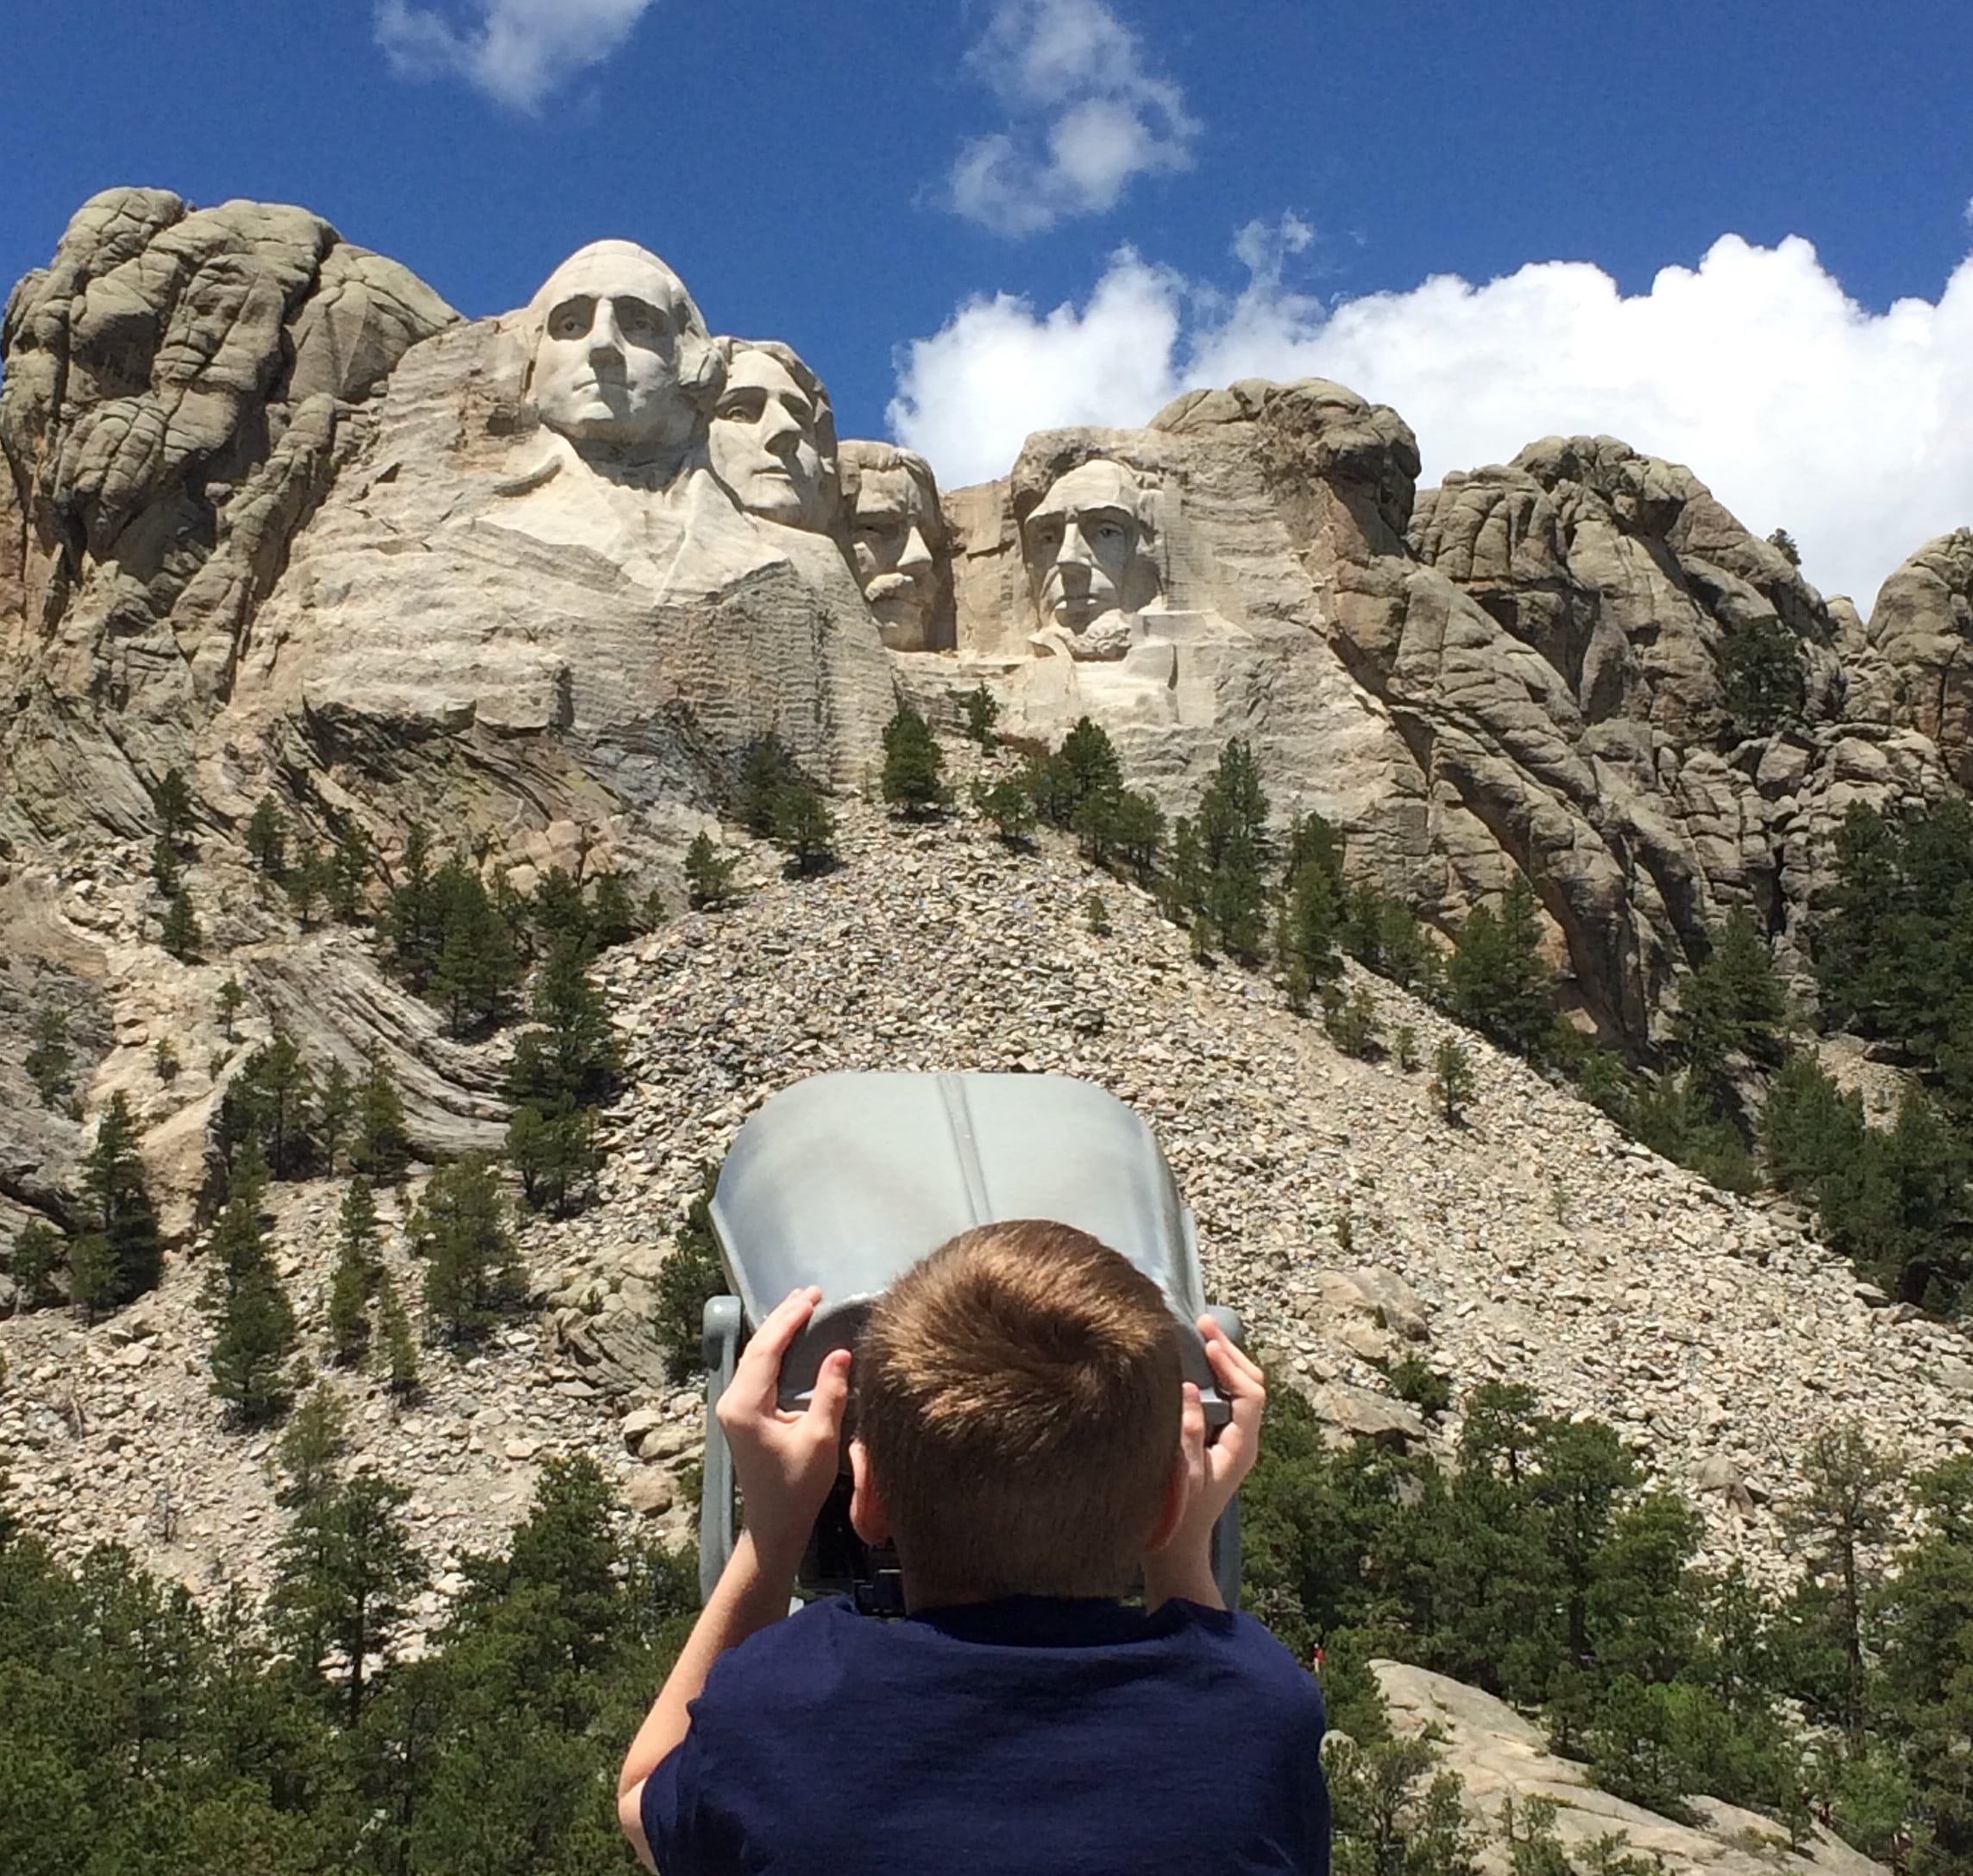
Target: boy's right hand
x,y
1182,1565
785,1462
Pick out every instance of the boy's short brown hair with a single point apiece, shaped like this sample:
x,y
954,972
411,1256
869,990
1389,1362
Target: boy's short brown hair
x,y
1018,1393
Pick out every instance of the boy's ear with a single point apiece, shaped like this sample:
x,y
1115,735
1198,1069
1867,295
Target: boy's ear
x,y
867,1517
1172,1513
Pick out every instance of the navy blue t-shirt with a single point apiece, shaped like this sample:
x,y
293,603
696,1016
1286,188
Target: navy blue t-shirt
x,y
1019,1738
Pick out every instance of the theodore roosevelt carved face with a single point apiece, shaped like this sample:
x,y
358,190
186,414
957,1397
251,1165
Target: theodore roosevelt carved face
x,y
622,367
897,536
772,443
1085,545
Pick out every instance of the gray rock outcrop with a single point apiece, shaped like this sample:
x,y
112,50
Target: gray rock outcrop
x,y
1499,1755
180,386
1921,628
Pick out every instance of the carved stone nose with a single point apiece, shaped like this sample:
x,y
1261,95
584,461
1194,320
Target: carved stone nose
x,y
604,334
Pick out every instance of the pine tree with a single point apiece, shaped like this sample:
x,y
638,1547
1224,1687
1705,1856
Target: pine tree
x,y
349,872
1095,826
708,875
311,1448
473,1277
1234,852
49,1062
266,837
167,870
1452,1083
1351,1022
1186,888
1090,759
120,1206
803,824
254,1324
179,933
913,766
689,1277
1009,803
271,1102
557,911
358,1268
230,997
553,1148
1764,681
1137,832
768,769
612,920
572,1049
39,1252
175,808
1924,1680
92,1275
1810,1129
412,927
1052,788
1733,1005
345,1574
307,882
335,1109
380,1148
476,964
397,1345
1846,1515
1498,981
1311,923
983,711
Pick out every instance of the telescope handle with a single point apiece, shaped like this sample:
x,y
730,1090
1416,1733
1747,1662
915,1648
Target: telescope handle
x,y
721,1350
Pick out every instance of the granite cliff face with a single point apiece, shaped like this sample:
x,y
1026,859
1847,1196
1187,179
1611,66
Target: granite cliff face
x,y
1519,672
276,517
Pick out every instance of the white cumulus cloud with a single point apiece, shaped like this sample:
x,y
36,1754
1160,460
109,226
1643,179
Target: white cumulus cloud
x,y
1086,115
1799,409
517,52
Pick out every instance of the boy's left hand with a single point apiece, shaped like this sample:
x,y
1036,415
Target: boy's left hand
x,y
784,1462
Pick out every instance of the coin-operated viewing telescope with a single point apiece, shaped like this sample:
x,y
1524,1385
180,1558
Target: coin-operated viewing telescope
x,y
844,1181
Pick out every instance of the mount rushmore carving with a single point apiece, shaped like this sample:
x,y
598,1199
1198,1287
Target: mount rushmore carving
x,y
276,517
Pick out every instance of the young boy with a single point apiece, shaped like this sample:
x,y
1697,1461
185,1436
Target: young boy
x,y
1023,1436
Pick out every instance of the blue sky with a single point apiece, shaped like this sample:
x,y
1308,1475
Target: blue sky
x,y
976,215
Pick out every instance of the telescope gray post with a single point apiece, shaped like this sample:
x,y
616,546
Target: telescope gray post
x,y
1226,1532
722,1349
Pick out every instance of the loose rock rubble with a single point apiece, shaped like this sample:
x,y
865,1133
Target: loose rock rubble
x,y
1346,1222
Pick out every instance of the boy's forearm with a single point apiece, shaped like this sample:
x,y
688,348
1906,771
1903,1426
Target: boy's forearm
x,y
752,1591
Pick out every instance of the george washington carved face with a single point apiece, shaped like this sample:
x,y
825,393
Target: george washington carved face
x,y
622,364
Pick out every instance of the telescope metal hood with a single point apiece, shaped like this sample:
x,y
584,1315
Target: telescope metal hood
x,y
846,1180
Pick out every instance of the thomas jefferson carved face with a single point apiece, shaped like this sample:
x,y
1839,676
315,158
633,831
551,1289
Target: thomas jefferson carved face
x,y
771,443
895,530
623,363
1084,544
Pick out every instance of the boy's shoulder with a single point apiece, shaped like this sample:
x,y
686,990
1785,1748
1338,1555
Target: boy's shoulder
x,y
827,1651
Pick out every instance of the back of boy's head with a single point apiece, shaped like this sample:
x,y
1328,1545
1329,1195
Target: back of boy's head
x,y
1018,1394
